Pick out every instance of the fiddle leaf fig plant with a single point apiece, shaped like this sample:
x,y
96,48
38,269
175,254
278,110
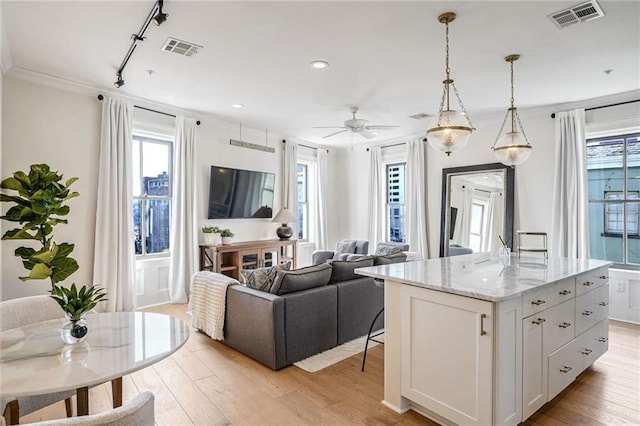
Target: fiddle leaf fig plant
x,y
40,205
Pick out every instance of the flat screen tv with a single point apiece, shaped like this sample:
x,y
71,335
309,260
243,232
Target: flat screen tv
x,y
236,193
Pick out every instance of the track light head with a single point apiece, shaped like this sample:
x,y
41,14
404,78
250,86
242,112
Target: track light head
x,y
160,16
119,82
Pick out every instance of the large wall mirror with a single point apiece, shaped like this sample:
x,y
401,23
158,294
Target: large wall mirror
x,y
477,209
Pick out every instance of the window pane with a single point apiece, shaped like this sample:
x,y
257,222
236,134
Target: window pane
x,y
137,226
395,201
604,245
302,183
396,223
302,221
157,226
474,243
155,168
477,213
604,167
137,187
633,165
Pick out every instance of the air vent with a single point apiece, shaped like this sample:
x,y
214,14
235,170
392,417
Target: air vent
x,y
180,47
580,13
420,116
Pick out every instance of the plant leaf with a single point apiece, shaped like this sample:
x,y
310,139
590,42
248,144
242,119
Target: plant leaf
x,y
40,271
63,269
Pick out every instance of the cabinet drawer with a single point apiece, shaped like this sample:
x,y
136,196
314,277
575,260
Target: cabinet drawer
x,y
591,308
563,367
534,301
559,327
593,343
591,280
561,291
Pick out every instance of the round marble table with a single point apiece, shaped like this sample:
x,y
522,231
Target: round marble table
x,y
34,360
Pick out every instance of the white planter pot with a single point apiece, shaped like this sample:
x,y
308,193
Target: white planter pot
x,y
226,240
211,239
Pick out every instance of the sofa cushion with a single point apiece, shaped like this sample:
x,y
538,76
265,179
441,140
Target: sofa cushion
x,y
343,269
301,279
389,259
385,250
262,278
344,246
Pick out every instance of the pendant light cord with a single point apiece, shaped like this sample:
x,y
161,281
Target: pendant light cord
x,y
513,108
446,60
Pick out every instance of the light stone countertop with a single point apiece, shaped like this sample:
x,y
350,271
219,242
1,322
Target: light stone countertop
x,y
481,276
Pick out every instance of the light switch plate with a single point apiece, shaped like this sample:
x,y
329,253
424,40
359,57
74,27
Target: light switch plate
x,y
619,285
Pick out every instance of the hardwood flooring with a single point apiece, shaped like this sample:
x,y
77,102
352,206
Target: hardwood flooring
x,y
207,383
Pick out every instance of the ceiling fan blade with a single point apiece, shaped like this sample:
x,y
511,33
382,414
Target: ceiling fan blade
x,y
367,134
380,127
329,127
336,133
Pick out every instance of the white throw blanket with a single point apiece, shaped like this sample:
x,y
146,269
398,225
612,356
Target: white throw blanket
x,y
208,302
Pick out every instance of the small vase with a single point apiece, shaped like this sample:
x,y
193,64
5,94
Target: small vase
x,y
212,239
75,331
226,240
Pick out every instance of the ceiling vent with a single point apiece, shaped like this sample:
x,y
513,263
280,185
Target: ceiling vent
x,y
180,47
580,13
420,116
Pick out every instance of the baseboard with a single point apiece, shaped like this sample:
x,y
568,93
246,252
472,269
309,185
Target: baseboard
x,y
394,408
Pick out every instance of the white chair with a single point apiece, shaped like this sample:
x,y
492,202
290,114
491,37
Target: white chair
x,y
137,412
29,310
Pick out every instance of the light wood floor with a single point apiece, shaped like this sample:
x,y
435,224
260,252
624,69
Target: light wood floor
x,y
206,383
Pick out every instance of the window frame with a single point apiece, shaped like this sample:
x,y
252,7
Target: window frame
x,y
144,198
303,231
389,204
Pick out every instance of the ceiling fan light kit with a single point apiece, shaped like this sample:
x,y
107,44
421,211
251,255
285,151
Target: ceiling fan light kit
x,y
356,125
512,148
451,129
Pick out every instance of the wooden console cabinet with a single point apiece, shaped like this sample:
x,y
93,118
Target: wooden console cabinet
x,y
229,259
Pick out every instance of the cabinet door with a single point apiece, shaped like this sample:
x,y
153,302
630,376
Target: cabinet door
x,y
563,368
560,325
447,354
591,280
534,365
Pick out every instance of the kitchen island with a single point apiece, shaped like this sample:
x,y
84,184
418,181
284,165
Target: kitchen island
x,y
479,340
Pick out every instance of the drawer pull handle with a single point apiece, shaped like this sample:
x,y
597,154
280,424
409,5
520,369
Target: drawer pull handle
x,y
587,313
482,317
587,283
603,339
566,369
564,292
564,325
538,321
603,303
538,302
586,352
603,277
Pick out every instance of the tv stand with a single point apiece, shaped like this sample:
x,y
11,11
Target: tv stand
x,y
229,259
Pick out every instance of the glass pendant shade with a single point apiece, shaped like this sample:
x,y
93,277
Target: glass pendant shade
x,y
512,149
449,132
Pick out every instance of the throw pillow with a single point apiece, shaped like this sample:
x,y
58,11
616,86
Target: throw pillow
x,y
344,246
301,279
389,259
343,269
262,278
384,250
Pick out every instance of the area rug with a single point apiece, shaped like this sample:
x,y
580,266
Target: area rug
x,y
334,355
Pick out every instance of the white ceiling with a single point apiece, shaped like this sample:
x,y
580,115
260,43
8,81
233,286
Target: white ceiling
x,y
386,57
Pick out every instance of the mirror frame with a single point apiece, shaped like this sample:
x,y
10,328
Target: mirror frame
x,y
509,191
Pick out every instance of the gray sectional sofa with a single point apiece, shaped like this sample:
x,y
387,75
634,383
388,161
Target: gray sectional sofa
x,y
280,329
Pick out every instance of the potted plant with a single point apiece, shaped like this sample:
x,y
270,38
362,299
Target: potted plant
x,y
40,205
226,235
211,235
75,304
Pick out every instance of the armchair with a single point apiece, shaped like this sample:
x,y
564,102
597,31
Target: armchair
x,y
343,249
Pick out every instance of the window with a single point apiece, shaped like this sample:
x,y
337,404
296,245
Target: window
x,y
395,201
613,178
303,202
151,194
476,227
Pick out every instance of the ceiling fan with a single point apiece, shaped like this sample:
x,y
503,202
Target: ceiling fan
x,y
355,125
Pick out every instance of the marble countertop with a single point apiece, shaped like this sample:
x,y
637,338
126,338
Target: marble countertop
x,y
481,276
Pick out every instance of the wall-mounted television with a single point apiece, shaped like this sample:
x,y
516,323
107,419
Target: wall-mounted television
x,y
237,193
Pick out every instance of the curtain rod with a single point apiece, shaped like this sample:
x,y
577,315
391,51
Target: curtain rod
x,y
100,97
604,106
307,146
396,144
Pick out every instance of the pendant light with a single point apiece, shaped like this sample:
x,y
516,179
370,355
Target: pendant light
x,y
452,129
512,148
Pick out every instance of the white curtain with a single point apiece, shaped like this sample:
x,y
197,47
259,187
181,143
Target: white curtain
x,y
184,212
465,220
114,259
492,216
321,204
416,198
290,180
377,201
570,223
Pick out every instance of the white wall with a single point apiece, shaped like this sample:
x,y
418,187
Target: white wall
x,y
624,295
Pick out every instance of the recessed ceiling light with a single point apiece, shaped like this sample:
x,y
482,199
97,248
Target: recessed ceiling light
x,y
237,106
608,72
319,64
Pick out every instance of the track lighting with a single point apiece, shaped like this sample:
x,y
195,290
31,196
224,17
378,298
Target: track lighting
x,y
160,16
119,82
